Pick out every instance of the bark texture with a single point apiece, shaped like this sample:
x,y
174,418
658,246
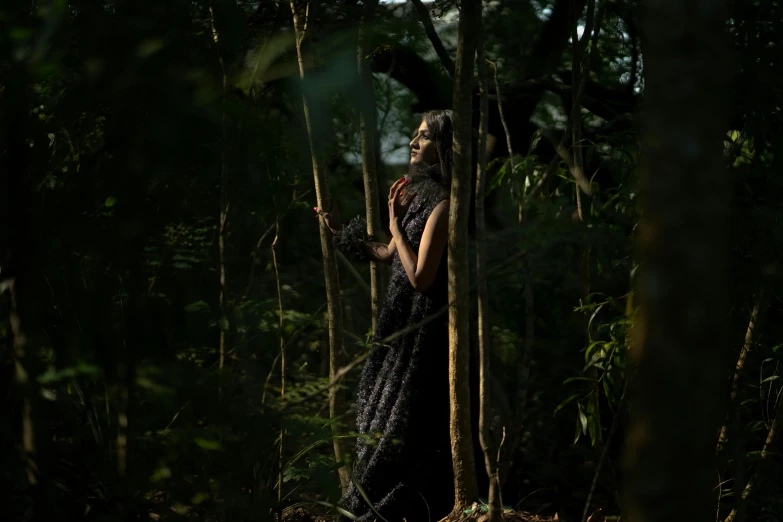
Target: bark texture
x,y
465,486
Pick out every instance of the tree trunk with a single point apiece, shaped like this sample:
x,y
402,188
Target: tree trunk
x,y
465,487
679,341
367,131
485,439
331,277
223,202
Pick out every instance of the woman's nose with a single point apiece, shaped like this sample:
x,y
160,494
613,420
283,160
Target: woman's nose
x,y
414,143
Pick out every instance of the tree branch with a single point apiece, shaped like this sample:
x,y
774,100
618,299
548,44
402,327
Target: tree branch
x,y
429,28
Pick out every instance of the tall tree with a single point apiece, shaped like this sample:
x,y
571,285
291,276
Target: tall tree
x,y
465,486
490,460
679,341
367,130
301,12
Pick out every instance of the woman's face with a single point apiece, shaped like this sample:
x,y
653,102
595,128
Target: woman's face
x,y
423,149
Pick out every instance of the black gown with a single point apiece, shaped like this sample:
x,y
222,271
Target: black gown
x,y
403,455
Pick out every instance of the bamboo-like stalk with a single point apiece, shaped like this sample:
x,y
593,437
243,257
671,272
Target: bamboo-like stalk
x,y
122,396
494,497
367,132
282,365
223,203
580,48
331,277
19,345
465,486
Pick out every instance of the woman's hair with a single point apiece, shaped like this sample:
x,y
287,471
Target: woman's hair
x,y
440,126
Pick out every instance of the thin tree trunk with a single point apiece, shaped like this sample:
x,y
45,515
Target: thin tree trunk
x,y
21,379
280,325
679,341
223,203
523,382
750,336
580,70
510,161
465,486
762,466
494,499
331,277
574,116
579,61
367,131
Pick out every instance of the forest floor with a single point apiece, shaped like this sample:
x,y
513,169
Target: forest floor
x,y
302,515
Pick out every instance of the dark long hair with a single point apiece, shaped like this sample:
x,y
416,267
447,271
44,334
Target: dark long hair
x,y
440,126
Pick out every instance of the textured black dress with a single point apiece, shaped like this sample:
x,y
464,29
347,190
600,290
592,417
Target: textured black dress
x,y
403,456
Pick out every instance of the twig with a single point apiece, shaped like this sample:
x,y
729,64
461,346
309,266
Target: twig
x,y
338,376
603,455
561,152
273,248
500,446
287,344
257,252
388,339
510,160
553,163
494,500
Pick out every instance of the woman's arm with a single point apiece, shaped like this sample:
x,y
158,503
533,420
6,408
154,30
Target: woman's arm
x,y
381,252
422,268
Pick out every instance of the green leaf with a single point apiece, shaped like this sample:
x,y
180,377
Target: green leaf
x,y
294,473
590,322
210,445
593,429
110,201
582,419
574,379
564,403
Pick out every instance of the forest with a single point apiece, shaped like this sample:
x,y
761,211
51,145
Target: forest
x,y
180,339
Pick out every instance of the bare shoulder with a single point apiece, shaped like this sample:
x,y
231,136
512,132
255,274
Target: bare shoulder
x,y
441,211
439,218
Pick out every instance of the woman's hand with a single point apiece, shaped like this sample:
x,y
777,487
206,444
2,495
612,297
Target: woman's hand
x,y
331,217
399,201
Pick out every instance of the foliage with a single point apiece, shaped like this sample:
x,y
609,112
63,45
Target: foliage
x,y
116,133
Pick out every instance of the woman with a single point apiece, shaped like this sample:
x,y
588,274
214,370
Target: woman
x,y
403,459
